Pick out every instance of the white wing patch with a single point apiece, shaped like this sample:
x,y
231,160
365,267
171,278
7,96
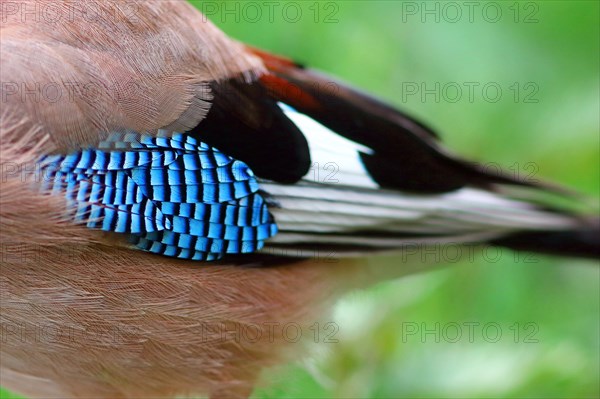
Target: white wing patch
x,y
335,159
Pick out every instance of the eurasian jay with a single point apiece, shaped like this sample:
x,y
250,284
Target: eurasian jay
x,y
158,196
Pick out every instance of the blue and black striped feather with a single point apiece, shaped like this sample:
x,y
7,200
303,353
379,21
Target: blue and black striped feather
x,y
174,196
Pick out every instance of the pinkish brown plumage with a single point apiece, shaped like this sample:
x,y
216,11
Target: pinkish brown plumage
x,y
142,65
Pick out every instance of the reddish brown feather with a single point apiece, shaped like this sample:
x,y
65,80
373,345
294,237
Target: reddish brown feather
x,y
288,92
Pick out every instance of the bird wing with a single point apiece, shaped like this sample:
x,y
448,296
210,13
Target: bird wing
x,y
362,176
226,149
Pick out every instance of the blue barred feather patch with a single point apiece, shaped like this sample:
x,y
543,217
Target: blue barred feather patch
x,y
173,196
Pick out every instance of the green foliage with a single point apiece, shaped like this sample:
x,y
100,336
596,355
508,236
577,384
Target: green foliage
x,y
4,394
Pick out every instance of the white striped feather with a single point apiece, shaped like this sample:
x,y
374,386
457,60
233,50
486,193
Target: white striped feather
x,y
335,159
473,206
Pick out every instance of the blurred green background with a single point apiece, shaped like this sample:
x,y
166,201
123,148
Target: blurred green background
x,y
544,56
